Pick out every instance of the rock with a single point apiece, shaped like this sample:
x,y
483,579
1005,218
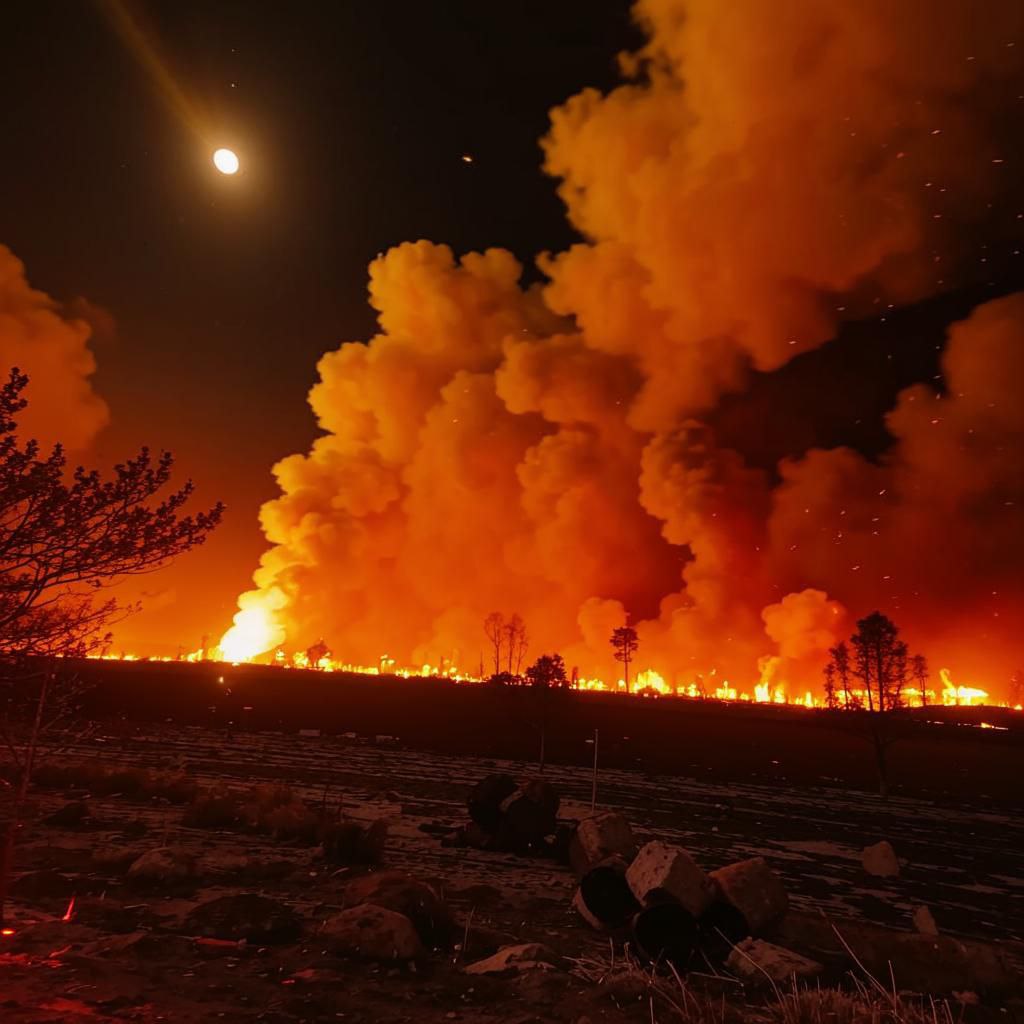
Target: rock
x,y
924,922
348,842
372,932
486,798
604,899
755,891
721,927
115,858
529,816
405,895
880,860
516,959
165,864
248,916
666,933
70,815
933,964
599,837
940,964
43,885
662,871
756,960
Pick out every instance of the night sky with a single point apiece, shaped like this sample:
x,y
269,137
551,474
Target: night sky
x,y
214,297
352,119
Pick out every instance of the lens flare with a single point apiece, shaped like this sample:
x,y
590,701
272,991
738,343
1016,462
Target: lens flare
x,y
225,161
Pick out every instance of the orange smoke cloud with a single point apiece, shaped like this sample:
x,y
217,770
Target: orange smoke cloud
x,y
53,350
765,173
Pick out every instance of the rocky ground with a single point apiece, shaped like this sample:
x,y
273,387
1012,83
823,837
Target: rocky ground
x,y
137,949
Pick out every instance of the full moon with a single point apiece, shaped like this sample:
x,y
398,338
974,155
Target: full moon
x,y
225,161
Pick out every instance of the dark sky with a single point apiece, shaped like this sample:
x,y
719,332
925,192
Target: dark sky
x,y
352,118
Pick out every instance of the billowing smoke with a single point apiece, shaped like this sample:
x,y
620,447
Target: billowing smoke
x,y
766,172
52,348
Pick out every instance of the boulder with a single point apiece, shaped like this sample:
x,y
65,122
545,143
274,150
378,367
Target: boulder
x,y
247,916
42,885
599,837
880,860
348,842
924,922
115,858
162,865
663,872
516,959
486,799
721,927
409,897
528,817
759,961
604,899
70,815
755,891
666,933
375,933
940,964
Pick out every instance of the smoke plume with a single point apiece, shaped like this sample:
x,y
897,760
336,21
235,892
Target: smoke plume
x,y
52,349
765,172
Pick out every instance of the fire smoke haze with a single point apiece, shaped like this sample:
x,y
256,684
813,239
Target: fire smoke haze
x,y
53,349
765,172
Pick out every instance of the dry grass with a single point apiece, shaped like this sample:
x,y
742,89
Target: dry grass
x,y
723,999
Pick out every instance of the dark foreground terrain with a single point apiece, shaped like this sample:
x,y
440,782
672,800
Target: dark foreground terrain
x,y
726,783
941,753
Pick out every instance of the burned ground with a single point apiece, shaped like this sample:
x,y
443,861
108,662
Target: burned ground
x,y
129,954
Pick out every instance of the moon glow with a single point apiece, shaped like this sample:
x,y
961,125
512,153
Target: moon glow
x,y
225,161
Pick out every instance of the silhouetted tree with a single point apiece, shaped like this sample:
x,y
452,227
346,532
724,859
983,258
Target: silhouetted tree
x,y
503,679
880,663
547,671
516,642
919,672
831,699
64,538
625,643
494,630
316,653
840,661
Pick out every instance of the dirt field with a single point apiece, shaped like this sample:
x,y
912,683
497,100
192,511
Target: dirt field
x,y
124,955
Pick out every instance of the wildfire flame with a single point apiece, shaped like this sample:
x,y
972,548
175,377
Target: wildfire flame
x,y
255,629
247,640
960,696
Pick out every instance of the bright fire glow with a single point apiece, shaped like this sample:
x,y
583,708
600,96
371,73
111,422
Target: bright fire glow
x,y
255,629
959,696
225,161
256,632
